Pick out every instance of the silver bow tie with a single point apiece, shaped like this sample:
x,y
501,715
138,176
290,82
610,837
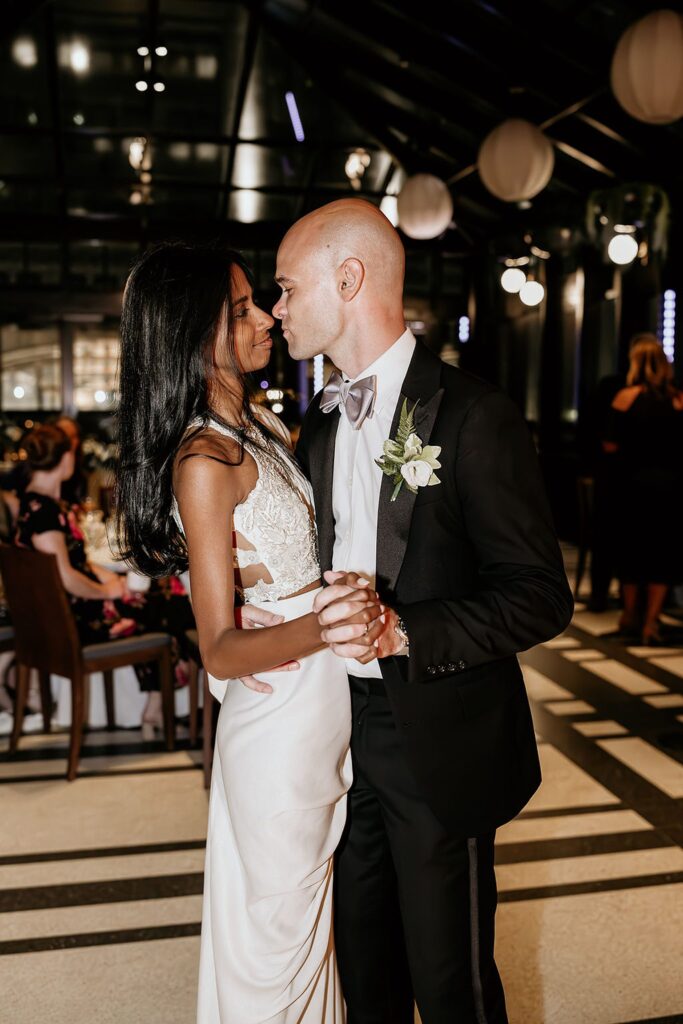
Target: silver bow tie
x,y
357,397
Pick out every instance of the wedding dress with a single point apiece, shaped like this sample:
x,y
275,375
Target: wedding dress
x,y
281,771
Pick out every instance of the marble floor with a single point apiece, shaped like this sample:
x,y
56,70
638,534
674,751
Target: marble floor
x,y
101,879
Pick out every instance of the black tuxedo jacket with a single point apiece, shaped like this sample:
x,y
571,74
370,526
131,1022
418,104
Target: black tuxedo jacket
x,y
474,569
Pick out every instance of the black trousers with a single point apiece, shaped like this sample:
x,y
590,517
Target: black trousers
x,y
414,907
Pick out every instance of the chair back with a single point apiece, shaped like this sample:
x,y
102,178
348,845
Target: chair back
x,y
45,631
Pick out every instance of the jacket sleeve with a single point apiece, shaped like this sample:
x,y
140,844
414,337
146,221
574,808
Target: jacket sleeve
x,y
522,595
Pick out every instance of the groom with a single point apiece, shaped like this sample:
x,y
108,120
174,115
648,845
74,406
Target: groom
x,y
461,551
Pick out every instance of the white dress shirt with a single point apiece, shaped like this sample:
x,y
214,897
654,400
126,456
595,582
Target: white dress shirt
x,y
357,479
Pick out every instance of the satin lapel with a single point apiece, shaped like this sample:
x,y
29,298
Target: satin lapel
x,y
394,517
321,465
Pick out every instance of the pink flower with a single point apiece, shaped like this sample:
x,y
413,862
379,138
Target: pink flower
x,y
76,532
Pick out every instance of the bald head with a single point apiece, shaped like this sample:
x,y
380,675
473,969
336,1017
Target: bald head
x,y
341,271
352,229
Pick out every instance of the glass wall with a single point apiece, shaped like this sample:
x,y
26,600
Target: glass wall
x,y
31,362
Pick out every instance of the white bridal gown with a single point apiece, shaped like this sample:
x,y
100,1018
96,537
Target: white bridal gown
x,y
277,808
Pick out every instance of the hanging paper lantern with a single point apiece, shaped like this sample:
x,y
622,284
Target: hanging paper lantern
x,y
516,160
647,68
425,207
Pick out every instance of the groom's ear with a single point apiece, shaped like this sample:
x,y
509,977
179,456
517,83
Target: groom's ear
x,y
350,278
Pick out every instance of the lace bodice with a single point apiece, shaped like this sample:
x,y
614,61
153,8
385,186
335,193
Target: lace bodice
x,y
276,519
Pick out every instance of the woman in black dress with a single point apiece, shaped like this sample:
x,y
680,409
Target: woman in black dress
x,y
103,607
645,437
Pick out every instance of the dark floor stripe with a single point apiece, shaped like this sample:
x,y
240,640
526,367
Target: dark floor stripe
x,y
60,753
655,725
616,649
82,894
113,773
676,1019
101,851
580,888
167,931
632,789
580,846
561,812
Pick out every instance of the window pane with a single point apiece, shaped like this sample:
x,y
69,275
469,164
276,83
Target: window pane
x,y
96,369
31,368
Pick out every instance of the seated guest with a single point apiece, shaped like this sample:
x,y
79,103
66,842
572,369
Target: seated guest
x,y
103,607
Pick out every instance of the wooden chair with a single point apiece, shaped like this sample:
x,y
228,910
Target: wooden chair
x,y
197,673
46,638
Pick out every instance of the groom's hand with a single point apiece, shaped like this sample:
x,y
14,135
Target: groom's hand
x,y
349,613
381,641
251,617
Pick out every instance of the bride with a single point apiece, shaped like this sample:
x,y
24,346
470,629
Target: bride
x,y
206,477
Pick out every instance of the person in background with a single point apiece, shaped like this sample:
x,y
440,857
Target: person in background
x,y
102,605
643,436
74,490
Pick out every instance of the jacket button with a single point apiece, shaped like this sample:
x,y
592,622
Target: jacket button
x,y
462,665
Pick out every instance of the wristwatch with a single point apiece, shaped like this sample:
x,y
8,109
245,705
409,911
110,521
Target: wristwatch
x,y
402,634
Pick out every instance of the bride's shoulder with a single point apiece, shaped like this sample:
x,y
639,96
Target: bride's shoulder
x,y
273,423
205,453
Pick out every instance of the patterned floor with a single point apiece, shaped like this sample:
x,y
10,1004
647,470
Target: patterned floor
x,y
100,880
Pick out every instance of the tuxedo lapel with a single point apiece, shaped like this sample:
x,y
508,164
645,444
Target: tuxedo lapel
x,y
421,385
321,465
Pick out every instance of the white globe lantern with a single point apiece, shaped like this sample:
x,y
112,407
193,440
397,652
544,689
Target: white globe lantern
x,y
647,68
531,293
512,279
425,207
516,161
622,249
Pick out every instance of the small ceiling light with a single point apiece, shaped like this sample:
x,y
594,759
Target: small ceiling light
x,y
356,165
159,86
180,150
145,177
24,52
622,249
100,397
295,117
79,119
143,51
161,51
524,204
135,198
103,145
33,117
531,293
136,153
79,57
141,85
19,392
512,279
277,408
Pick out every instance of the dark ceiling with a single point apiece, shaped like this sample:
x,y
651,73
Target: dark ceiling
x,y
418,85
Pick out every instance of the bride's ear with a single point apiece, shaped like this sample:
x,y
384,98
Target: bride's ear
x,y
350,278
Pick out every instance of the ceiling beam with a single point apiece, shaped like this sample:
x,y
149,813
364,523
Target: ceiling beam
x,y
253,29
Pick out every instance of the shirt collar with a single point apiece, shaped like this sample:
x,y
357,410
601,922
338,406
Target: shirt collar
x,y
390,369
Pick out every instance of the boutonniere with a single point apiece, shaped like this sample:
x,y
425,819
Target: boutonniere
x,y
406,460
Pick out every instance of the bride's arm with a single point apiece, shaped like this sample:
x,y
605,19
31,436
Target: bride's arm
x,y
207,492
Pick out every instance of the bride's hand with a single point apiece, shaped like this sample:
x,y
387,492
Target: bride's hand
x,y
349,612
251,617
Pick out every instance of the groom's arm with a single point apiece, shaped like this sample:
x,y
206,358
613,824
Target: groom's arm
x,y
522,597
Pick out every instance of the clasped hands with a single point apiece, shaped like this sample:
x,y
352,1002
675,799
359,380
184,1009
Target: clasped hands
x,y
354,623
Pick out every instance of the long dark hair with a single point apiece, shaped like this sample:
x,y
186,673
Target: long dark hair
x,y
176,301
